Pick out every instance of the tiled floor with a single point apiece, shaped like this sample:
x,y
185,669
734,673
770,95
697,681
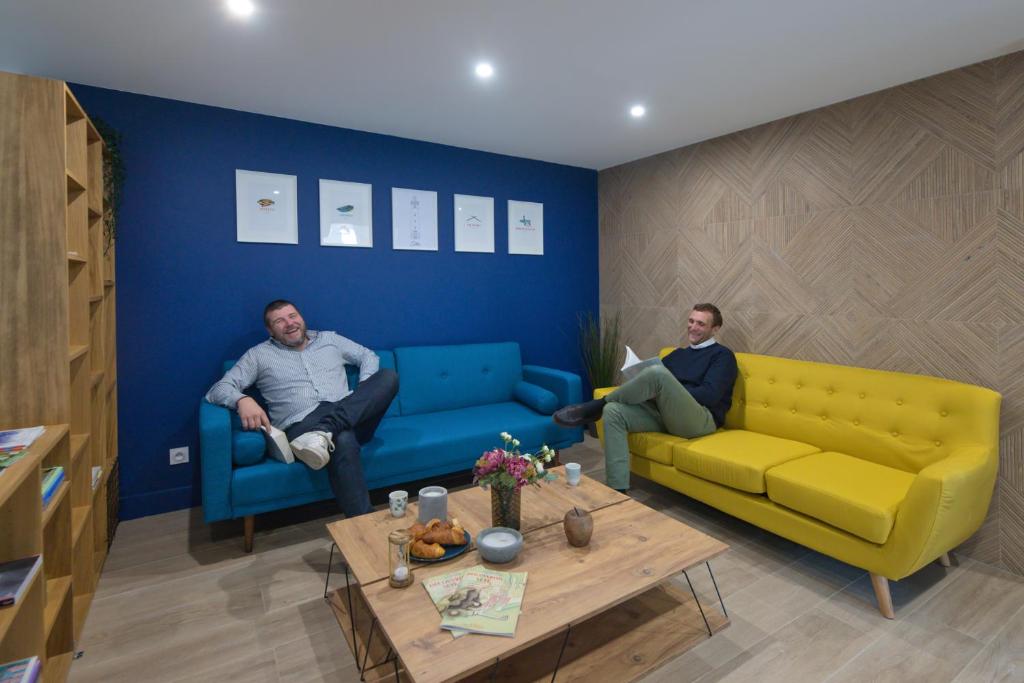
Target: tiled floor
x,y
180,601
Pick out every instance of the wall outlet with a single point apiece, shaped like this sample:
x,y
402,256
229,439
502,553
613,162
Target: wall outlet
x,y
179,456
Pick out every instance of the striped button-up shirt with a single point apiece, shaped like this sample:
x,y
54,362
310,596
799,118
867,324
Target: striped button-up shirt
x,y
294,382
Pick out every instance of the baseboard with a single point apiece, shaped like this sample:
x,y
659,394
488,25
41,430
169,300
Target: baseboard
x,y
156,502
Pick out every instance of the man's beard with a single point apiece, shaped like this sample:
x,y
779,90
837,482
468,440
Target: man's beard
x,y
298,342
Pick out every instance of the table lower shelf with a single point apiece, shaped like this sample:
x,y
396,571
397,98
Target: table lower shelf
x,y
622,644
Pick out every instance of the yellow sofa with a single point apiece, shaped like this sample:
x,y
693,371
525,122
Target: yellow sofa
x,y
882,470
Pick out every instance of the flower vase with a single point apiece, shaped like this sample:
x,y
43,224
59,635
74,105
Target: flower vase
x,y
505,507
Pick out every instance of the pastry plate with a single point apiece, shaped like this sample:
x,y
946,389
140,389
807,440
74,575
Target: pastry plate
x,y
450,551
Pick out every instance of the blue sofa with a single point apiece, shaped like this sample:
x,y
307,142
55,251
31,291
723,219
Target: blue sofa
x,y
452,403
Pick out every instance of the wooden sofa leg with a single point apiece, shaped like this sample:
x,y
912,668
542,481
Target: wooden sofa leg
x,y
250,527
881,586
945,560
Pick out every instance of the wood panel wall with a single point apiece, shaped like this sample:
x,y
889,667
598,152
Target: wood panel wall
x,y
885,232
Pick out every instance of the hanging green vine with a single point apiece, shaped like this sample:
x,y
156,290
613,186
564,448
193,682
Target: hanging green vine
x,y
113,180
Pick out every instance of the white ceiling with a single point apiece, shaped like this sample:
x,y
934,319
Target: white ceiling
x,y
567,71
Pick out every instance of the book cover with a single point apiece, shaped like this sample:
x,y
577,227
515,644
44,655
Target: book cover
x,y
486,601
277,445
440,587
51,483
21,671
14,440
633,365
15,577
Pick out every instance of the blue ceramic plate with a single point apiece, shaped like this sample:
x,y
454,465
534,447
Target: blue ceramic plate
x,y
450,551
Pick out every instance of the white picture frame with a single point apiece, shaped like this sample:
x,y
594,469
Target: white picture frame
x,y
413,219
265,207
474,224
525,228
346,214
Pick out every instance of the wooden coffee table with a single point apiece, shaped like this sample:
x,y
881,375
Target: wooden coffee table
x,y
607,610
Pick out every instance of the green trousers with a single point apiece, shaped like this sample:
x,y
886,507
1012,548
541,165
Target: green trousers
x,y
653,401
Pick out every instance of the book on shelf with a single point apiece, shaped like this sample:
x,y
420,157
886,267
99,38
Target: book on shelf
x,y
15,577
14,443
22,671
486,601
52,478
277,445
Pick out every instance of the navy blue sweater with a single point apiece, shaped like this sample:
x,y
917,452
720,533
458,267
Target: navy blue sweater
x,y
708,374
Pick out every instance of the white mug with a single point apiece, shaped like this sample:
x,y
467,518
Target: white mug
x,y
572,473
397,502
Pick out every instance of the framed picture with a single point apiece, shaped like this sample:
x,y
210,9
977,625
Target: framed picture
x,y
265,207
525,228
414,219
474,223
346,214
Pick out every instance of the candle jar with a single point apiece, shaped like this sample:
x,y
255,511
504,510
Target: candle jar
x,y
399,569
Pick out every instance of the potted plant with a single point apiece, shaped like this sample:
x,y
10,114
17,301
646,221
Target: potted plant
x,y
506,470
600,344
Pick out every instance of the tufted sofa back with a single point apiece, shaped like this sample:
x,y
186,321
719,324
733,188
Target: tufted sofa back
x,y
433,378
895,419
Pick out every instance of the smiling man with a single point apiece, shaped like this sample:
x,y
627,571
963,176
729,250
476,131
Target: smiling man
x,y
687,395
301,375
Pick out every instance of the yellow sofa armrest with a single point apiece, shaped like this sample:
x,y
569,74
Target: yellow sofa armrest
x,y
946,503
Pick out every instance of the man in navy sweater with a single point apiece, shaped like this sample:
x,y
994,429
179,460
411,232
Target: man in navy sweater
x,y
687,395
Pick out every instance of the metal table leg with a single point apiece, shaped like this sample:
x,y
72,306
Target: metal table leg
x,y
720,601
561,652
697,600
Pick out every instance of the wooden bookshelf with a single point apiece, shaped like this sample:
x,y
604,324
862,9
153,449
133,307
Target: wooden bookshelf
x,y
64,374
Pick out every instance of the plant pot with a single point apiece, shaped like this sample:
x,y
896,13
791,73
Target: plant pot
x,y
505,507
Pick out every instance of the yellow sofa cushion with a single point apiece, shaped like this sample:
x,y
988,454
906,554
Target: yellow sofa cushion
x,y
737,458
654,446
857,496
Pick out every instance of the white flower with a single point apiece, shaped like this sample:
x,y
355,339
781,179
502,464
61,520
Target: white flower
x,y
505,436
540,468
548,457
515,443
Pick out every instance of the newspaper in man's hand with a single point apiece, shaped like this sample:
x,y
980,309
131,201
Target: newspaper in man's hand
x,y
633,365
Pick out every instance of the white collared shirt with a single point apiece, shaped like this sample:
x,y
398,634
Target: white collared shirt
x,y
704,344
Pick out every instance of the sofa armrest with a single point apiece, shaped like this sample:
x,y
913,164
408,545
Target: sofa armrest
x,y
946,503
565,385
603,391
215,460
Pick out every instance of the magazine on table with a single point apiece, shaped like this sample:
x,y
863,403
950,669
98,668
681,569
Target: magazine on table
x,y
440,587
633,365
486,601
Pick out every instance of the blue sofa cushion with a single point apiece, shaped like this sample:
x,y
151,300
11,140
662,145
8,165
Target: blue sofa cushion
x,y
416,446
437,378
247,447
538,398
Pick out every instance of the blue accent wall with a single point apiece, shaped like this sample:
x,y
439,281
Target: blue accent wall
x,y
189,295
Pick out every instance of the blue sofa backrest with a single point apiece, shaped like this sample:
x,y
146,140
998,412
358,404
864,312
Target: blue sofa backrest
x,y
433,378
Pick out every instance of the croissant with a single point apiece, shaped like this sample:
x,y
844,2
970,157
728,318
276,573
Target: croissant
x,y
425,550
417,530
446,533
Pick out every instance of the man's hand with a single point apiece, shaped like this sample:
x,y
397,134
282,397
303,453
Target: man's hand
x,y
253,417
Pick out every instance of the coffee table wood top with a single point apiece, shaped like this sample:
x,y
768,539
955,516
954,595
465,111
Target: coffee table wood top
x,y
363,540
633,549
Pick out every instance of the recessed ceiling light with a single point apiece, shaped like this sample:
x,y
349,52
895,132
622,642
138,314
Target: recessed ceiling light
x,y
241,8
637,111
484,70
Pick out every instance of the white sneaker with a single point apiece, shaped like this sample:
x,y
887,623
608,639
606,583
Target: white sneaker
x,y
313,448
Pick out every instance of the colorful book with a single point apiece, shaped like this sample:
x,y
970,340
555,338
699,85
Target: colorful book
x,y
486,601
15,577
13,441
52,478
21,671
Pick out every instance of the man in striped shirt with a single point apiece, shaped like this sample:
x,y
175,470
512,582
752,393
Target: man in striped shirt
x,y
301,375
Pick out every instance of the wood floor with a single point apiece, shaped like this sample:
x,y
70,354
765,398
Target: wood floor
x,y
179,601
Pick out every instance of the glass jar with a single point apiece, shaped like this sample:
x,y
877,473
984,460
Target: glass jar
x,y
399,568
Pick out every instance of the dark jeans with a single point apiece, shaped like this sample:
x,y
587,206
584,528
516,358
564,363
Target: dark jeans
x,y
351,422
